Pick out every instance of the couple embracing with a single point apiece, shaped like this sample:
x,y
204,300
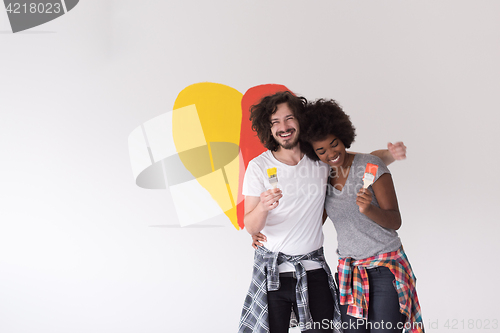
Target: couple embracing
x,y
292,285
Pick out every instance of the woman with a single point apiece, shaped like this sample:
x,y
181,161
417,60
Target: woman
x,y
375,279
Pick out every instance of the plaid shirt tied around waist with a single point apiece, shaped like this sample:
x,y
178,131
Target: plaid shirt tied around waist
x,y
265,277
354,286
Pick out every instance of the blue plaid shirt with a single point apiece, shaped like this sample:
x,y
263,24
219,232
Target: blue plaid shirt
x,y
265,277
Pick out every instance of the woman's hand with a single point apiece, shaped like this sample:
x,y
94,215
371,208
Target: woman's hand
x,y
364,200
257,239
387,214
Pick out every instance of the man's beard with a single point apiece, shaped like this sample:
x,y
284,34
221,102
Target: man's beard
x,y
290,144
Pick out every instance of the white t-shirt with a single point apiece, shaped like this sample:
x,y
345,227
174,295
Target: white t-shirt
x,y
294,227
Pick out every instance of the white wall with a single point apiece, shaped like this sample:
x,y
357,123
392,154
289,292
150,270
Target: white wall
x,y
79,250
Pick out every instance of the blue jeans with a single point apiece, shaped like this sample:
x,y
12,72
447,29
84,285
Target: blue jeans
x,y
280,302
383,307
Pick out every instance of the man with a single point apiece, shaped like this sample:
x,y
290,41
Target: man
x,y
290,272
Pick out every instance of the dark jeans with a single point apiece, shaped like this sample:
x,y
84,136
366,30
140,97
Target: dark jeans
x,y
383,307
280,302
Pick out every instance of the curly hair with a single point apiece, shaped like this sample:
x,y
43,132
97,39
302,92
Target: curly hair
x,y
322,118
260,115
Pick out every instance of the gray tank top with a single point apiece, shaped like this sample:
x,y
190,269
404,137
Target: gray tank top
x,y
358,237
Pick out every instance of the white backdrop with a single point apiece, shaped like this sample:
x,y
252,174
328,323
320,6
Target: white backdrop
x,y
83,249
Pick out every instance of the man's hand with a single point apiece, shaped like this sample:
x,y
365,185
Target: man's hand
x,y
257,208
270,199
397,150
257,239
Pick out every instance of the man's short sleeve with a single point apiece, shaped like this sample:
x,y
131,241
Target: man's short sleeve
x,y
253,183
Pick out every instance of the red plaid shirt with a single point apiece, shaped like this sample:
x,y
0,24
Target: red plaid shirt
x,y
354,286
